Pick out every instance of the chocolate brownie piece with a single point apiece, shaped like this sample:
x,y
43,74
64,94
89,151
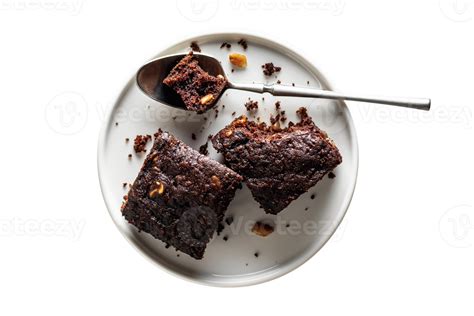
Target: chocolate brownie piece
x,y
197,88
180,196
277,164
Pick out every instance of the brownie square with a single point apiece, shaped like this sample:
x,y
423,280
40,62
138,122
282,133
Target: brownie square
x,y
180,196
197,88
277,164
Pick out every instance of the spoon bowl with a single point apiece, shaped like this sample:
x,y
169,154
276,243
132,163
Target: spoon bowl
x,y
150,77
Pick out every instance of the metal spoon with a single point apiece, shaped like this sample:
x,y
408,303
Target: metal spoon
x,y
150,80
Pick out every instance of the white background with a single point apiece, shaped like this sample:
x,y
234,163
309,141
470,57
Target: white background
x,y
406,245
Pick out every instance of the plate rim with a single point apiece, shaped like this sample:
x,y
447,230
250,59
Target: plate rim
x,y
296,263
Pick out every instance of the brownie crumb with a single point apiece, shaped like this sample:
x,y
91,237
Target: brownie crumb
x,y
220,228
277,105
306,208
313,196
287,225
226,238
139,144
127,140
262,229
269,69
203,149
256,254
129,156
229,220
251,105
124,184
226,45
193,136
331,175
116,123
275,119
195,47
232,70
167,246
278,81
233,114
307,82
243,43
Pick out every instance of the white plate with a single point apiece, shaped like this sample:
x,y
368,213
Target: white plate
x,y
232,262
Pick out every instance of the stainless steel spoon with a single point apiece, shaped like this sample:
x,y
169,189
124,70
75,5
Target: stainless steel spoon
x,y
150,80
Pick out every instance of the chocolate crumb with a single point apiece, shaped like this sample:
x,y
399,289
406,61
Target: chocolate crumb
x,y
287,225
220,228
195,47
277,105
139,144
116,123
233,114
256,254
232,70
306,208
269,69
203,149
167,246
307,82
129,156
243,43
229,220
251,105
127,140
226,45
278,81
293,84
331,175
225,238
124,184
313,196
193,136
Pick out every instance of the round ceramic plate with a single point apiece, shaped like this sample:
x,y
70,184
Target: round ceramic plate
x,y
236,256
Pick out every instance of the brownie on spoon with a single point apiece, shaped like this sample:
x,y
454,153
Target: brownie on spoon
x,y
197,88
180,196
277,164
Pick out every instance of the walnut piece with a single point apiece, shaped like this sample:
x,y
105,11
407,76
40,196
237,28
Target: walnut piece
x,y
262,229
238,60
207,99
159,189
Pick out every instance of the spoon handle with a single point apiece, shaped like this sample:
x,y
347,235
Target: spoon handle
x,y
282,90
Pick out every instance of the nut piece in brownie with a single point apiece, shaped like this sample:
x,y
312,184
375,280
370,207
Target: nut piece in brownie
x,y
180,196
277,164
197,88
